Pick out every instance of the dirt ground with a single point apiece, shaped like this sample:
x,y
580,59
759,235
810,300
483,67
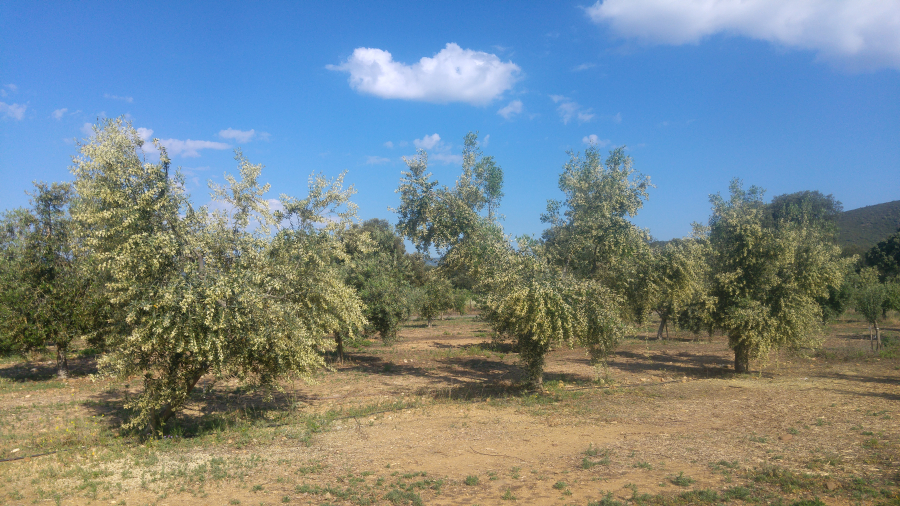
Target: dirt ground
x,y
439,417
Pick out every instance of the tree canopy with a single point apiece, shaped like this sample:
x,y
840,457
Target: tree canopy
x,y
765,280
240,292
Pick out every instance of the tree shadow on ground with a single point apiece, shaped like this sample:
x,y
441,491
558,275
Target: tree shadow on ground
x,y
206,411
44,370
682,363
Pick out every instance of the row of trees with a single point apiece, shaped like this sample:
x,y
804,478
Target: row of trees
x,y
172,292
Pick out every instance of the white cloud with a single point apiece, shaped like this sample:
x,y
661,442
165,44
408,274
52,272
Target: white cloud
x,y
617,118
389,145
595,141
452,75
175,147
377,160
14,111
88,129
144,133
116,97
12,87
239,136
484,142
59,113
511,109
438,150
860,34
583,66
568,110
445,158
190,148
427,142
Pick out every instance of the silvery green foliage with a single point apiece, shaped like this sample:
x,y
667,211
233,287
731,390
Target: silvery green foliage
x,y
522,294
542,306
678,274
765,280
240,292
590,234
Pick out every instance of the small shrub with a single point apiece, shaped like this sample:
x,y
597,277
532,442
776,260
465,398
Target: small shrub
x,y
559,485
681,480
471,480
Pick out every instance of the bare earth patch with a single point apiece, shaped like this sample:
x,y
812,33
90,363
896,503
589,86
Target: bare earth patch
x,y
439,418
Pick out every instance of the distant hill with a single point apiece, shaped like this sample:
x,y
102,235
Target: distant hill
x,y
860,229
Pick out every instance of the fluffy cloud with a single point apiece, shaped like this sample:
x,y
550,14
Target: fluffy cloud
x,y
175,147
438,150
377,160
389,145
116,97
452,75
88,129
59,113
239,136
595,141
427,142
513,108
14,111
583,66
190,148
861,34
568,110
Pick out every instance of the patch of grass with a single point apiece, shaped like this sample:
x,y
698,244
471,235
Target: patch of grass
x,y
784,479
559,485
397,496
607,500
700,496
809,502
471,480
740,493
643,465
508,496
681,480
514,473
724,466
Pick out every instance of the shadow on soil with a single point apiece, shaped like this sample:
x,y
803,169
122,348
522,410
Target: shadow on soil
x,y
44,370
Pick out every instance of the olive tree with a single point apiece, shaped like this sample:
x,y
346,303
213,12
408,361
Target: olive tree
x,y
45,278
541,306
590,234
536,302
765,280
678,271
243,292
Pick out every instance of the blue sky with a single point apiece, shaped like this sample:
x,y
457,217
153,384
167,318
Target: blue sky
x,y
789,95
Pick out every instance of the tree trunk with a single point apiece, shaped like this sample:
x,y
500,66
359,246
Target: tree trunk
x,y
339,339
662,325
532,353
159,419
741,358
877,337
871,338
62,363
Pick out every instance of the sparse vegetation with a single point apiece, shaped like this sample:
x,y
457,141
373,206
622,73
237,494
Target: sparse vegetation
x,y
201,325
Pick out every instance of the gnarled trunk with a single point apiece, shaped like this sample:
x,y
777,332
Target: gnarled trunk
x,y
663,325
162,416
62,363
741,358
532,353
